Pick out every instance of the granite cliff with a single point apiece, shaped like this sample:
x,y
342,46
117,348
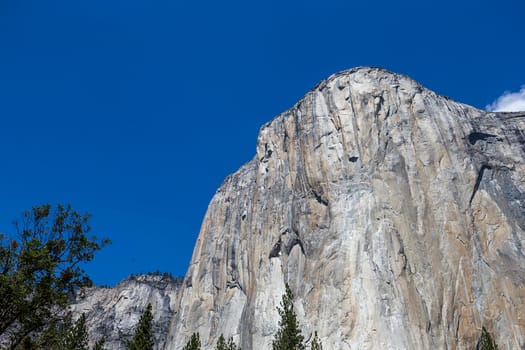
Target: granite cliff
x,y
396,216
113,313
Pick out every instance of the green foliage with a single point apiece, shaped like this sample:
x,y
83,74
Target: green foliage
x,y
64,334
99,345
289,335
194,343
223,345
486,342
40,270
76,336
143,338
316,343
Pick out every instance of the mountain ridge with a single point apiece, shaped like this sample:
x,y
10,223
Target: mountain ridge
x,y
395,215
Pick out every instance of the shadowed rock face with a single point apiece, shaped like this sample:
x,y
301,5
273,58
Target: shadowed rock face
x,y
395,215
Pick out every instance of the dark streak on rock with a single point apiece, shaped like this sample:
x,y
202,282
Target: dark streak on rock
x,y
478,180
295,241
474,137
276,250
319,199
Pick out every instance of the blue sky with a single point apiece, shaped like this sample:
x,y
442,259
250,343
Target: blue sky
x,y
136,110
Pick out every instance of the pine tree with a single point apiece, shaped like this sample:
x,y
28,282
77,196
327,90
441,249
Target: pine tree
x,y
76,337
99,345
223,345
194,343
231,345
289,335
62,334
316,343
143,338
486,342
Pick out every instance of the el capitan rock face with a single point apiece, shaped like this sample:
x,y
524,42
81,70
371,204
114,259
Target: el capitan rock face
x,y
396,216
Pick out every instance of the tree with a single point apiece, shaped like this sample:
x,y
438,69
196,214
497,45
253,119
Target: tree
x,y
486,342
223,345
143,338
41,269
194,343
316,343
99,345
289,335
76,336
64,335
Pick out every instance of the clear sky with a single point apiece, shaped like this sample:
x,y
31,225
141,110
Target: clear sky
x,y
136,110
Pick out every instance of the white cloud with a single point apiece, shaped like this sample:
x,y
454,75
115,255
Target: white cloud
x,y
509,102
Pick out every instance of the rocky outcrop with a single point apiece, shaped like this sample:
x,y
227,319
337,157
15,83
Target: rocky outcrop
x,y
396,216
113,313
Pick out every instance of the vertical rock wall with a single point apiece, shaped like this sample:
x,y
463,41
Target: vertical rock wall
x,y
395,214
